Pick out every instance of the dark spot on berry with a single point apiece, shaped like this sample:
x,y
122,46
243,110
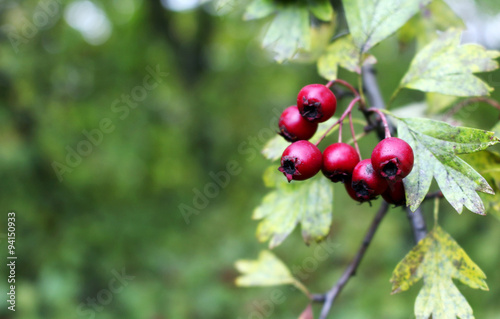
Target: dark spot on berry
x,y
289,167
390,169
362,191
339,177
286,135
311,110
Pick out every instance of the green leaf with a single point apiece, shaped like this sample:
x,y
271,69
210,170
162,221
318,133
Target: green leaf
x,y
267,270
307,202
288,32
372,21
342,52
435,146
444,66
259,9
437,259
437,16
321,9
275,146
488,164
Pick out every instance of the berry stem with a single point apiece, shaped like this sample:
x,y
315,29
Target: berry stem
x,y
354,136
346,112
384,120
343,83
436,211
340,132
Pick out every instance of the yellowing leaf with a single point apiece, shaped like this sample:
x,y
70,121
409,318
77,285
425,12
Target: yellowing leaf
x,y
372,21
267,270
445,66
435,146
307,202
342,52
437,259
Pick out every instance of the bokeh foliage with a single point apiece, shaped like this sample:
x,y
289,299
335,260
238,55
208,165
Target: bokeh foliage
x,y
119,208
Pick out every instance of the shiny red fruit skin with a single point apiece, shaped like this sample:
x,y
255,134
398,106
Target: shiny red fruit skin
x,y
300,160
316,103
366,182
294,127
393,159
339,160
395,194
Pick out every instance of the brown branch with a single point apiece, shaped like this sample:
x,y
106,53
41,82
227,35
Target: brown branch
x,y
417,221
478,99
329,298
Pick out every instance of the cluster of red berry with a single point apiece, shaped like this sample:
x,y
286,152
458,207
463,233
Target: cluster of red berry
x,y
382,174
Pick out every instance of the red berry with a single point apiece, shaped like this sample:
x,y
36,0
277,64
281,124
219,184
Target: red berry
x,y
300,160
316,103
339,160
366,182
395,194
393,159
294,127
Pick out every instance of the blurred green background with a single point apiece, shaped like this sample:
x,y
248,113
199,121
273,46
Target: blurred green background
x,y
100,233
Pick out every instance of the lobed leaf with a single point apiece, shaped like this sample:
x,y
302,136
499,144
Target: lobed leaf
x,y
267,270
371,21
444,66
437,259
343,52
307,202
435,146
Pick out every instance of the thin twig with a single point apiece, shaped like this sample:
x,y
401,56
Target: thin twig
x,y
383,119
331,295
417,221
354,136
478,99
346,112
376,100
